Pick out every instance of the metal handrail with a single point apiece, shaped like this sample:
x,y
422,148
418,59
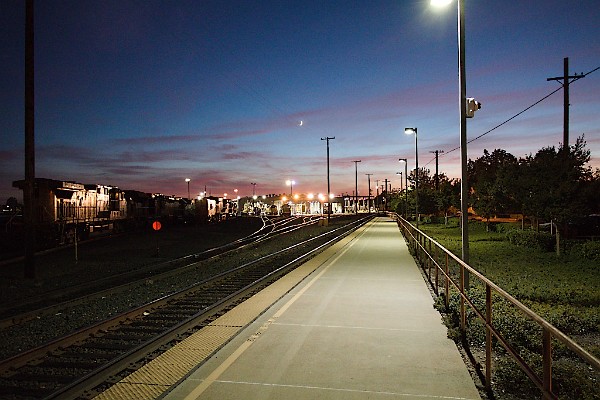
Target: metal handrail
x,y
422,244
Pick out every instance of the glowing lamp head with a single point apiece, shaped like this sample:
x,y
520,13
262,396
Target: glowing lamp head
x,y
440,3
410,131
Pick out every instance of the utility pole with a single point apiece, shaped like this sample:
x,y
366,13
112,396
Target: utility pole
x,y
356,185
328,182
565,83
29,192
369,201
437,177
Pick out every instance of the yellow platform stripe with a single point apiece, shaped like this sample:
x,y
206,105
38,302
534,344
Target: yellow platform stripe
x,y
156,377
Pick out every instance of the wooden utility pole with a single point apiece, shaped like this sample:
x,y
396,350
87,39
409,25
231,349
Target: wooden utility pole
x,y
29,192
437,178
565,83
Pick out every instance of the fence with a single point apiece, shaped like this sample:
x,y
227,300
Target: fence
x,y
444,269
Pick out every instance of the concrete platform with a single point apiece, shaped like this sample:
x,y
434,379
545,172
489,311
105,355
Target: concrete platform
x,y
361,326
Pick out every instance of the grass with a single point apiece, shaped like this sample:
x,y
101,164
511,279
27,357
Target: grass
x,y
563,290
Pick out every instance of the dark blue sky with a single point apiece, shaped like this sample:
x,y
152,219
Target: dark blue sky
x,y
142,94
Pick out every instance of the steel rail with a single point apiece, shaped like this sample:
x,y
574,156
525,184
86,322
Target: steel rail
x,y
253,238
99,376
24,358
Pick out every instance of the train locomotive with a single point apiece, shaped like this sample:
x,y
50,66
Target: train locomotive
x,y
67,211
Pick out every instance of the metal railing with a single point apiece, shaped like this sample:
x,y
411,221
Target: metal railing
x,y
443,268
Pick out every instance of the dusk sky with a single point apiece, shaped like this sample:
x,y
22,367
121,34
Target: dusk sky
x,y
143,94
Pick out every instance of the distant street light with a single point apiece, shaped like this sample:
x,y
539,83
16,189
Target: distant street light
x,y
253,188
410,131
328,183
356,185
400,173
369,193
188,185
291,184
405,161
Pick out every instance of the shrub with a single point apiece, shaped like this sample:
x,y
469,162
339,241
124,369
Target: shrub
x,y
589,250
531,239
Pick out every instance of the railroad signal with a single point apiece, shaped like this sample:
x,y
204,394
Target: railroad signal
x,y
156,225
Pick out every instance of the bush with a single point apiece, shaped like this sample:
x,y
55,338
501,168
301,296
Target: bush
x,y
589,250
531,239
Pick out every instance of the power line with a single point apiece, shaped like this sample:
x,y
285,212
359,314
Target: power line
x,y
519,113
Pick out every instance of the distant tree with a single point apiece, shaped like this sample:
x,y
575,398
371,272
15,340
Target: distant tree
x,y
557,180
448,196
491,178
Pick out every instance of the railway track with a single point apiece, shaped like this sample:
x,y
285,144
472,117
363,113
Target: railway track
x,y
72,366
45,303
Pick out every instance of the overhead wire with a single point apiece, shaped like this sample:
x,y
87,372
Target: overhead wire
x,y
517,114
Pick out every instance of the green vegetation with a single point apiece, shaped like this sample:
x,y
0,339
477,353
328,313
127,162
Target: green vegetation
x,y
564,290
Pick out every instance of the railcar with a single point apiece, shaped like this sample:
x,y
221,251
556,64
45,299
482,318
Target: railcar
x,y
66,210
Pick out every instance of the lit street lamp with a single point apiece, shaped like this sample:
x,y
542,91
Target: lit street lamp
x,y
291,183
464,190
410,131
405,161
188,185
356,185
328,183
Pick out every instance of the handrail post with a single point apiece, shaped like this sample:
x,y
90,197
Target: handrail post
x,y
447,282
488,337
437,275
547,362
463,313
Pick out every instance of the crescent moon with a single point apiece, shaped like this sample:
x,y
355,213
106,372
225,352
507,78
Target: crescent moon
x,y
301,123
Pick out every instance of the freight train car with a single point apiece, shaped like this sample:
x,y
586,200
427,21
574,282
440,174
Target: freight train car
x,y
68,210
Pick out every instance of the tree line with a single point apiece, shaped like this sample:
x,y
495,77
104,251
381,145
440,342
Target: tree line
x,y
554,185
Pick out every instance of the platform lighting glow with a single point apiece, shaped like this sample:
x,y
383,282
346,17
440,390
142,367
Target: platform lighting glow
x,y
311,196
321,197
331,195
254,197
296,197
284,198
440,3
264,196
224,194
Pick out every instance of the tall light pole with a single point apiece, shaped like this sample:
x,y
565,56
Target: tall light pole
x,y
405,161
328,182
410,131
291,183
356,185
464,189
369,184
188,185
253,188
400,173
